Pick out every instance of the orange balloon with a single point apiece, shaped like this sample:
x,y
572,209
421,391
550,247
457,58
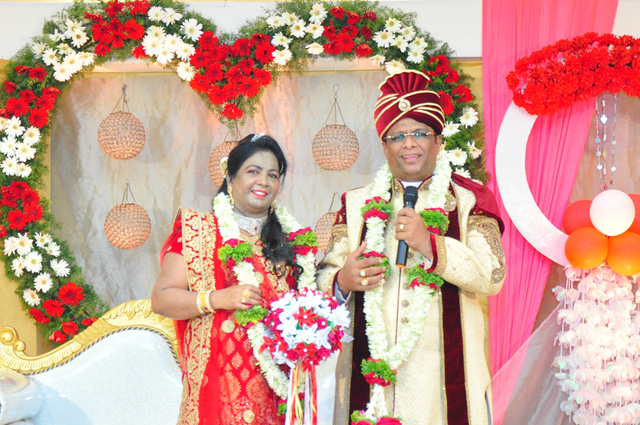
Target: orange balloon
x,y
624,253
586,248
635,226
577,216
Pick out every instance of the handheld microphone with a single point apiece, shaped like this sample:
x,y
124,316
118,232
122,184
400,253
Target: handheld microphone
x,y
410,198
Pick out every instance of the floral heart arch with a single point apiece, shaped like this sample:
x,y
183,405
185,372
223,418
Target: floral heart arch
x,y
229,71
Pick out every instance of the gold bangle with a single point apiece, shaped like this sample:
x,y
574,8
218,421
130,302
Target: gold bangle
x,y
199,303
207,302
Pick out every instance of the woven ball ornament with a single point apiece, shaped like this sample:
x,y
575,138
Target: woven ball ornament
x,y
335,147
220,151
127,226
323,229
121,135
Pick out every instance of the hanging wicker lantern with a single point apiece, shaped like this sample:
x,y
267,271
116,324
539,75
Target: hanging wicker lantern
x,y
323,229
127,225
121,135
219,152
335,147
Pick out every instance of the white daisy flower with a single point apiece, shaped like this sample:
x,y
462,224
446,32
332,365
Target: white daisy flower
x,y
184,51
50,57
383,38
23,170
473,150
462,172
155,31
60,267
171,42
171,16
9,166
3,123
62,72
72,26
38,48
280,40
469,117
400,43
281,57
164,55
73,61
152,45
393,25
394,67
8,146
43,282
42,239
317,14
378,60
31,297
315,30
415,56
450,129
24,244
10,246
420,43
31,136
417,48
185,71
408,33
53,249
87,58
298,29
64,49
192,29
315,48
275,21
24,152
14,127
289,18
79,38
457,156
155,13
33,262
56,36
17,265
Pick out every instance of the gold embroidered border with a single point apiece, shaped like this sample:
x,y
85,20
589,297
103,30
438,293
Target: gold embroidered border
x,y
488,227
441,254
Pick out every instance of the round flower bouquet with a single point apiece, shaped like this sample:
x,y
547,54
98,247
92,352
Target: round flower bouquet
x,y
303,329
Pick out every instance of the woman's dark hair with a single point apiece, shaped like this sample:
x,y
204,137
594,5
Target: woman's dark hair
x,y
276,247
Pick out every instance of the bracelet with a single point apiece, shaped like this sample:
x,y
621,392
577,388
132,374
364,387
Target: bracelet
x,y
203,303
207,303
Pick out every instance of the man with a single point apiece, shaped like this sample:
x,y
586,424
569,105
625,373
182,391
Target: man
x,y
432,336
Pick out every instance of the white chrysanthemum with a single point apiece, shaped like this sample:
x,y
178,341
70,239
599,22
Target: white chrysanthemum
x,y
275,21
171,16
469,117
185,71
155,13
415,56
317,14
473,150
24,244
87,58
408,33
10,245
289,18
79,38
24,152
23,170
394,67
419,43
33,262
298,29
14,127
72,26
192,29
73,61
393,25
184,51
56,36
383,38
8,146
152,45
450,129
42,239
64,49
50,57
164,55
9,166
400,43
315,30
17,265
53,249
418,48
38,48
155,32
315,48
457,156
43,282
281,57
172,42
62,72
378,60
31,136
60,267
31,297
280,40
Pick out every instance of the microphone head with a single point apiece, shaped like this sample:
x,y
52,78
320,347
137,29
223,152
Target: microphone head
x,y
410,196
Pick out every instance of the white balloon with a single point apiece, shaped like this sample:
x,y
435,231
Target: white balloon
x,y
612,212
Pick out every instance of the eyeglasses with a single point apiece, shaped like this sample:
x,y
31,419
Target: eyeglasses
x,y
417,135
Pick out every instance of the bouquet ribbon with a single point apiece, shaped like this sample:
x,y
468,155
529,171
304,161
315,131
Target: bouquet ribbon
x,y
296,414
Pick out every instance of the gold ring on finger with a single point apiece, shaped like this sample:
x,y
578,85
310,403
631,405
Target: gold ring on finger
x,y
363,273
364,282
246,293
241,300
401,227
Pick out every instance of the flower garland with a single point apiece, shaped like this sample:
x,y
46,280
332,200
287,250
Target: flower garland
x,y
569,71
423,283
229,71
236,254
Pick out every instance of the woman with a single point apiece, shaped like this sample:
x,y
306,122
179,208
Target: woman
x,y
223,384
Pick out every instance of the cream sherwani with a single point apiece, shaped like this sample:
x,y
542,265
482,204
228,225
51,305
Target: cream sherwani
x,y
475,264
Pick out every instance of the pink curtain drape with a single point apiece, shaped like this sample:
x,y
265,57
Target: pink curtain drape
x,y
513,29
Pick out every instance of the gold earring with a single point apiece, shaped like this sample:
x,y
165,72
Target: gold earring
x,y
271,207
230,194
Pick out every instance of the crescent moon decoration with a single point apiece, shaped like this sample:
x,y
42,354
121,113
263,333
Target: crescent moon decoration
x,y
229,71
